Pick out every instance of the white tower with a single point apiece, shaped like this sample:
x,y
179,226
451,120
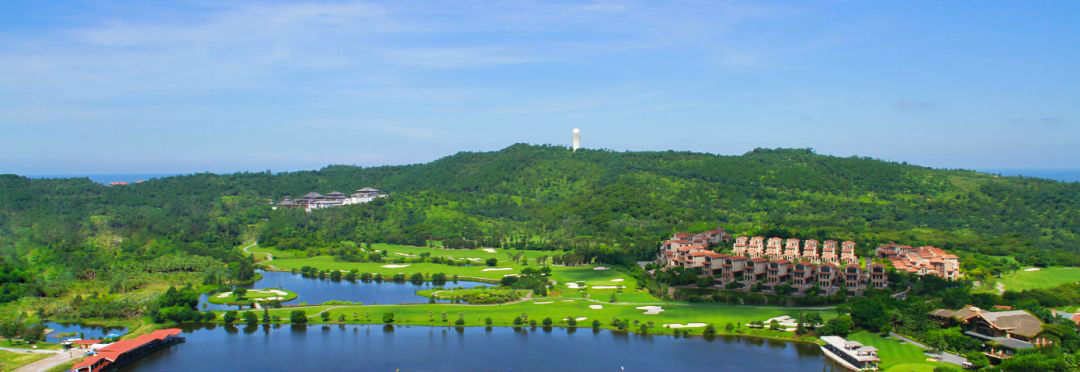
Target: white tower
x,y
577,139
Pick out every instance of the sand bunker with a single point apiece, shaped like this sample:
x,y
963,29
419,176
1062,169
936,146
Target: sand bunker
x,y
512,275
596,307
1032,269
687,325
270,299
573,286
605,286
599,268
650,310
579,319
224,294
567,300
617,280
278,292
489,250
542,303
474,259
395,266
498,269
404,254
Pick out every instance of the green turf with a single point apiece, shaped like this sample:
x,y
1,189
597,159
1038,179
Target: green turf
x,y
251,295
895,355
1043,278
9,361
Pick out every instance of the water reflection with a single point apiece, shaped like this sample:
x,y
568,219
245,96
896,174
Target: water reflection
x,y
378,347
316,291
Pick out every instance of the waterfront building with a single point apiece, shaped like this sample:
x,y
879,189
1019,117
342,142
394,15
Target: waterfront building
x,y
1003,332
850,354
125,351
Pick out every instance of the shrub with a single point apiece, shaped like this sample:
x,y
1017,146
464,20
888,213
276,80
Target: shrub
x,y
298,317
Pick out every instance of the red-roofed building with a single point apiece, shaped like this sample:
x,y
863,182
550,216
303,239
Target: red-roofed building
x,y
124,351
926,260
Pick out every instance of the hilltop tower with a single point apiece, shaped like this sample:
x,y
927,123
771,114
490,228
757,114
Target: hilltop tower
x,y
577,139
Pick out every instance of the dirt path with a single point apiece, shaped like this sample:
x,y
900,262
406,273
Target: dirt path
x,y
59,357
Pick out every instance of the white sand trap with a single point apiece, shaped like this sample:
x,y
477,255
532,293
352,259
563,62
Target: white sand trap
x,y
404,254
650,310
395,266
542,303
498,269
580,319
596,307
687,325
617,280
512,275
474,259
1032,269
224,294
573,286
599,268
278,292
567,300
605,286
270,299
489,250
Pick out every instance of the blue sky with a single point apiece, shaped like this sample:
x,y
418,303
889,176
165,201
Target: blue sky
x,y
119,87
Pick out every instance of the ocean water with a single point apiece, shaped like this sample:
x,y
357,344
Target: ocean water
x,y
106,178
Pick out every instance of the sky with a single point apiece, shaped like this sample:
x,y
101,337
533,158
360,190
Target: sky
x,y
176,86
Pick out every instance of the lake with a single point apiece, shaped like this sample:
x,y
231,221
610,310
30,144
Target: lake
x,y
316,291
88,331
412,348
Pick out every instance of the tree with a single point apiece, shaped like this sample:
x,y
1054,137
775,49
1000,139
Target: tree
x,y
547,322
230,316
869,314
417,278
388,318
298,317
325,315
250,318
266,316
571,322
710,331
492,261
839,326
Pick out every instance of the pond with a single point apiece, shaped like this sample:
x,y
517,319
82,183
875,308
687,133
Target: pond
x,y
61,331
411,348
316,291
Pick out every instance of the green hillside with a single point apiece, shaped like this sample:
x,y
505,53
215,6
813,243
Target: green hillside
x,y
604,205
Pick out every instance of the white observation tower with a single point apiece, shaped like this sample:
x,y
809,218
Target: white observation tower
x,y
577,139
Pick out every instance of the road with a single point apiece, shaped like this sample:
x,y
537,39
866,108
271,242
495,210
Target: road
x,y
269,257
944,357
59,357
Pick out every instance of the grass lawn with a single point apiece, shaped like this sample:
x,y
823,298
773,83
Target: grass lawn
x,y
896,356
1043,278
257,295
9,360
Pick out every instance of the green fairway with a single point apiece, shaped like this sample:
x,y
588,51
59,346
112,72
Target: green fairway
x,y
1043,278
9,361
256,295
895,355
559,311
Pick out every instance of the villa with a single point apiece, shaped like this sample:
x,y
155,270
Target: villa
x,y
1003,332
926,260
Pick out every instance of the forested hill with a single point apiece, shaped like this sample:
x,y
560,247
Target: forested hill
x,y
611,205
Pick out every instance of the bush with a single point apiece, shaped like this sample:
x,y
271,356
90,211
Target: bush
x,y
388,318
492,261
250,318
547,322
230,316
298,317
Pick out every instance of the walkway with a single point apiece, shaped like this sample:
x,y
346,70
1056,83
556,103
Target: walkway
x,y
944,357
59,357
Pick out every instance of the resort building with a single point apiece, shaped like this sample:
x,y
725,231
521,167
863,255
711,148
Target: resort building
x,y
828,252
756,262
791,249
124,351
314,200
850,354
926,260
1003,332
